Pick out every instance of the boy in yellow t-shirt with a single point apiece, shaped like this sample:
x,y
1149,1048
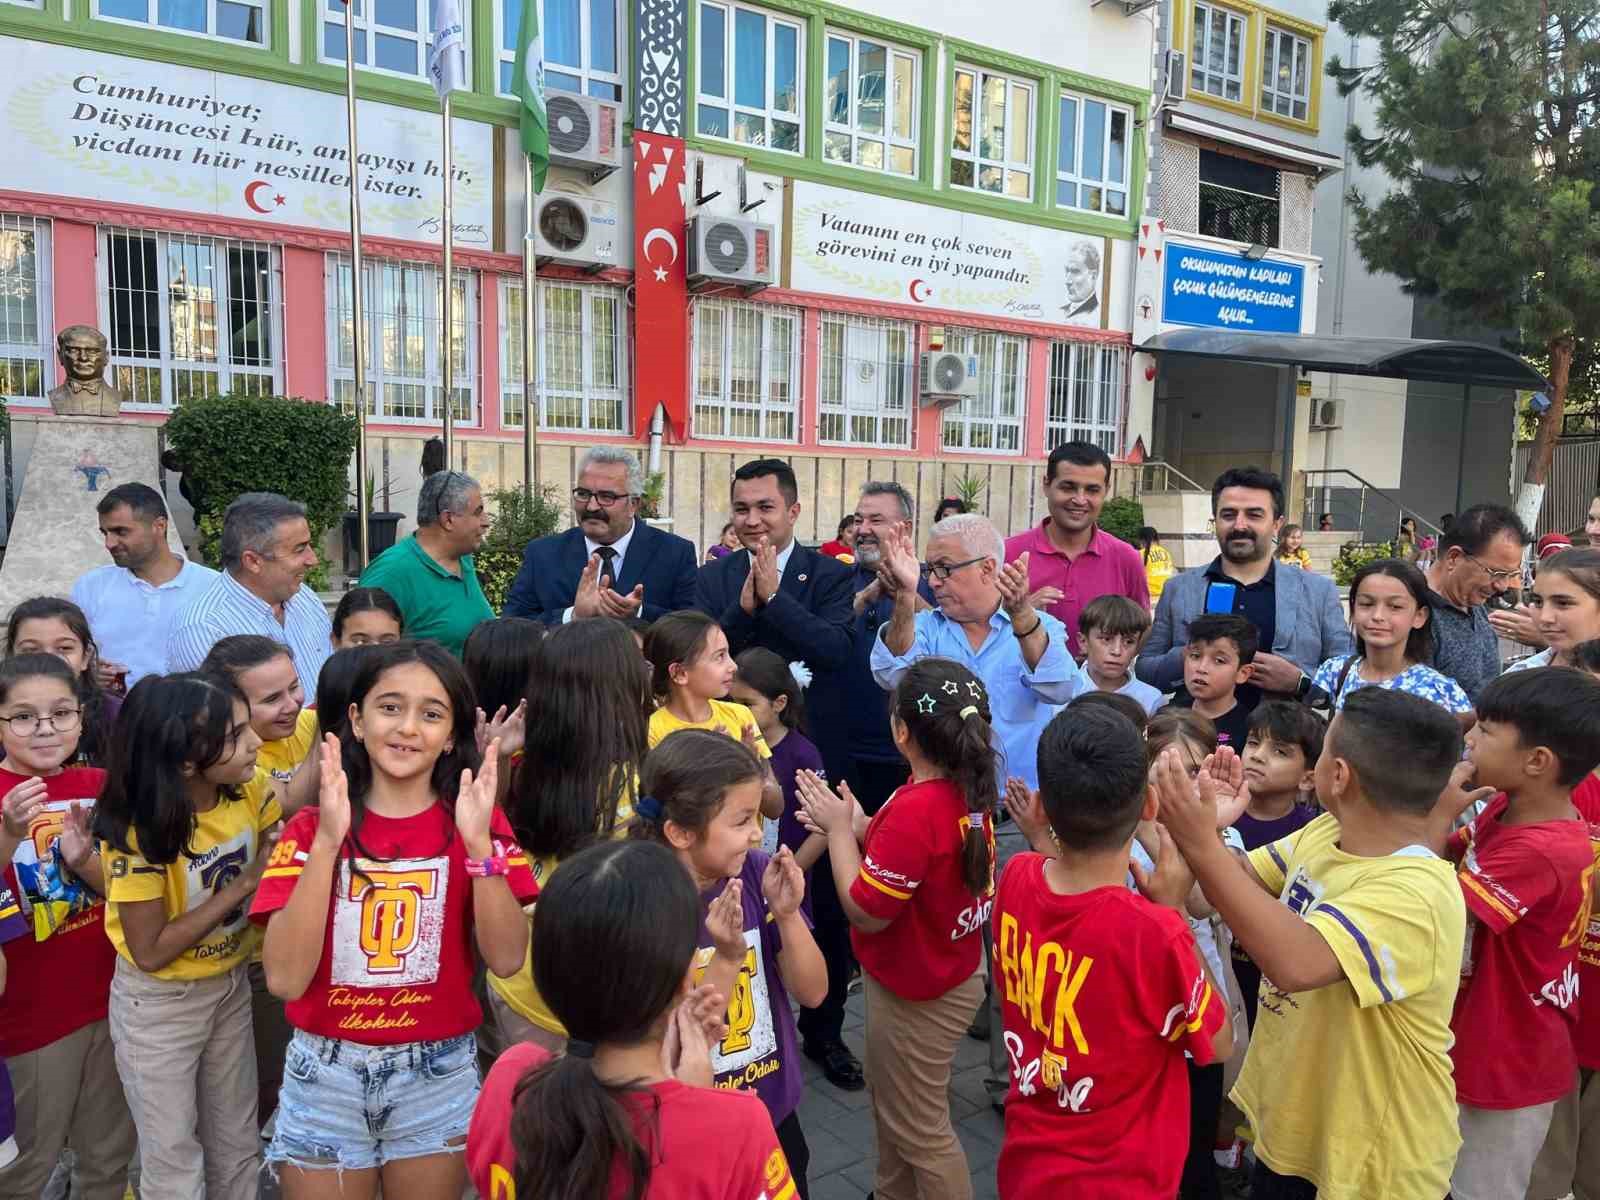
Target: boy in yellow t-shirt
x,y
1358,926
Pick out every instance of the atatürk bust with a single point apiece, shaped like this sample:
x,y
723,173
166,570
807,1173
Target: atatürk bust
x,y
82,351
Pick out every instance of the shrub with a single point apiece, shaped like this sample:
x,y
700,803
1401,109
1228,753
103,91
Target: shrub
x,y
518,520
1123,517
1353,556
229,445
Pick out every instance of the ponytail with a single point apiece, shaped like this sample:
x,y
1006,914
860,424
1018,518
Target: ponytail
x,y
573,1133
945,710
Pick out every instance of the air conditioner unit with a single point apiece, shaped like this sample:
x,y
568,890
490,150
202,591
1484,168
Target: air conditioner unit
x,y
1327,414
728,250
584,132
947,378
1177,76
575,231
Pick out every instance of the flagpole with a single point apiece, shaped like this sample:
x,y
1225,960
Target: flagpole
x,y
357,309
449,291
530,392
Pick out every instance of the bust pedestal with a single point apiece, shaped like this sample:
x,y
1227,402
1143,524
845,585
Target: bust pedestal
x,y
55,536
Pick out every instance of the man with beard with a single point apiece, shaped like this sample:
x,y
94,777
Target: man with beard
x,y
1071,560
1297,613
132,601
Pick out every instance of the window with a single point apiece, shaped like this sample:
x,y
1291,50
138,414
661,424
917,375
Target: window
x,y
869,108
867,382
581,46
25,303
581,373
1088,388
1238,199
399,32
991,420
231,20
750,68
1286,75
191,316
404,373
1092,159
746,371
1216,64
992,134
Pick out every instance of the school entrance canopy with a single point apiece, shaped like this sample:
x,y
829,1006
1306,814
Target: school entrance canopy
x,y
1469,364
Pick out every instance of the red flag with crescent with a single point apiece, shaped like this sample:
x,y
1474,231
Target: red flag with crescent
x,y
661,282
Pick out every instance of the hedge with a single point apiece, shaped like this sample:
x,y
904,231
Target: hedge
x,y
229,445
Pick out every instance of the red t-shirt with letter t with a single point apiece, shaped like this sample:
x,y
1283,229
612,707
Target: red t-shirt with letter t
x,y
704,1143
911,877
1101,994
1527,889
397,953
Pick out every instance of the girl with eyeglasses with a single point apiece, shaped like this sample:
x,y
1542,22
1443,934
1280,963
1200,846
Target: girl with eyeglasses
x,y
54,1034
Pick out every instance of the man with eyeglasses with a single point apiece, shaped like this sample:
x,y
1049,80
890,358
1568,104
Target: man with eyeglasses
x,y
610,563
1479,558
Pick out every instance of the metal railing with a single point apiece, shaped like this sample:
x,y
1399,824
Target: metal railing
x,y
1355,502
1137,479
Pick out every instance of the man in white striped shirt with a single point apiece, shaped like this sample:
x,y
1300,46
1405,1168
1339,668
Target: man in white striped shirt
x,y
266,553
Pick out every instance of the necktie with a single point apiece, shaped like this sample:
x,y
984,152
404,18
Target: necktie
x,y
607,555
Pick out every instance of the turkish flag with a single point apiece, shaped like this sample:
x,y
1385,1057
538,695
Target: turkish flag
x,y
661,283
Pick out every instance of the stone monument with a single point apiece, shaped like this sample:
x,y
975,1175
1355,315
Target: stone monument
x,y
82,350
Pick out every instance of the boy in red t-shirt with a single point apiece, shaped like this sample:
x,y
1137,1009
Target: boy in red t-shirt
x,y
1102,989
1525,868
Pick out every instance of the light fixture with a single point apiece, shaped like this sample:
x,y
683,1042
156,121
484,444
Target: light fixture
x,y
1254,252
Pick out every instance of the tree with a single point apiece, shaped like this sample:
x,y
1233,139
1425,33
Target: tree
x,y
1481,107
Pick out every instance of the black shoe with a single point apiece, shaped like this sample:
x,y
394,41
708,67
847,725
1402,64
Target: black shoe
x,y
839,1066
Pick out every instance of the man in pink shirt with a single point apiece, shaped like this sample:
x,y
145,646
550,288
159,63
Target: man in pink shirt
x,y
1071,560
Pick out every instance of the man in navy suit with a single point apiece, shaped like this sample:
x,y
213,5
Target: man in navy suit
x,y
790,599
610,563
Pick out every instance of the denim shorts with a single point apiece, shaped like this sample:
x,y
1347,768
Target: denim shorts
x,y
352,1107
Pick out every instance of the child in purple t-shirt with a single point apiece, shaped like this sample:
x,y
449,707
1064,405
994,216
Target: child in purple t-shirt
x,y
767,687
12,925
1280,753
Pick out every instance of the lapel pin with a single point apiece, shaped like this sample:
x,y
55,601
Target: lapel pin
x,y
801,578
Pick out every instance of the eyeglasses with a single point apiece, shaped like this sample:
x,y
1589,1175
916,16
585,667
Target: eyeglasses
x,y
603,499
1494,575
26,724
943,571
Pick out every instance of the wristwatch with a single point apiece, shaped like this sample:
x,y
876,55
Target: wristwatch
x,y
1303,688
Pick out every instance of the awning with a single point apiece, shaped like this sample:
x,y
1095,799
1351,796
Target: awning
x,y
1393,358
1321,162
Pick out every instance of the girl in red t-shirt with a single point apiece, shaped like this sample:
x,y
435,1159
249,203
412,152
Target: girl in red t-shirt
x,y
53,1026
917,890
702,799
372,902
628,1109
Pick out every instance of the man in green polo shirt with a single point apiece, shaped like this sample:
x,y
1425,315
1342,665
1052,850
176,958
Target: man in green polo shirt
x,y
430,574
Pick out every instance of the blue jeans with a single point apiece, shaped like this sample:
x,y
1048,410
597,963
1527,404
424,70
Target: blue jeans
x,y
352,1107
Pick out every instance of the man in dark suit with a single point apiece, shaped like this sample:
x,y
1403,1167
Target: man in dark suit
x,y
610,563
790,599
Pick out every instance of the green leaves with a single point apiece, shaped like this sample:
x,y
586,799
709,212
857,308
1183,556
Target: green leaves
x,y
1123,517
229,445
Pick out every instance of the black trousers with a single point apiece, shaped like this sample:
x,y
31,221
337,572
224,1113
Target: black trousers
x,y
1249,977
793,1141
873,783
1267,1184
1205,1107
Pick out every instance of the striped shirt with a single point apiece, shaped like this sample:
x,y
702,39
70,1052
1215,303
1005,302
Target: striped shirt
x,y
227,608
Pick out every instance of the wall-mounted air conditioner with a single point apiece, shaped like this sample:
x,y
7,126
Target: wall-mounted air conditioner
x,y
1177,76
575,231
947,378
728,250
585,132
1327,414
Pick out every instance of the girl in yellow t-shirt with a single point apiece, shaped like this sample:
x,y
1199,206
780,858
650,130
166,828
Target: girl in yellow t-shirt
x,y
588,710
184,824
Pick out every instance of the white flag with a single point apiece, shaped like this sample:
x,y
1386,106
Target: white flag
x,y
447,52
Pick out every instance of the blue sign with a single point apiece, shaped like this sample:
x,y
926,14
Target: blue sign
x,y
1221,289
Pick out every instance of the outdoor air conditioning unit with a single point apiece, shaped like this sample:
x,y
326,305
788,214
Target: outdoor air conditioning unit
x,y
1177,76
575,231
1327,414
947,378
584,132
728,250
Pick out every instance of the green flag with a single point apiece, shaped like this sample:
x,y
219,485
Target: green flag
x,y
530,91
